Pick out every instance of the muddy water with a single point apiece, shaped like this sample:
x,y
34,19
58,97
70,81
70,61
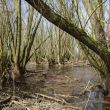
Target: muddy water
x,y
68,80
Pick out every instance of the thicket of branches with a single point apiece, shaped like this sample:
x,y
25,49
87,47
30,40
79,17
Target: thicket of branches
x,y
26,36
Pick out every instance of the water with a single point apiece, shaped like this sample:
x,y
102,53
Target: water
x,y
66,79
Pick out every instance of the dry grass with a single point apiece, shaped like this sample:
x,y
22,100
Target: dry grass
x,y
34,104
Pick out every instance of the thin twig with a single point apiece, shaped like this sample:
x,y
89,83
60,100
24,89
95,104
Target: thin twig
x,y
93,13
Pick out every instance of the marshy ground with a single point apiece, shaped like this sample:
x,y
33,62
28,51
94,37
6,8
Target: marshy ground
x,y
55,88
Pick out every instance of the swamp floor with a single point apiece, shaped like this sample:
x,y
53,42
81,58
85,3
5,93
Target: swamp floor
x,y
55,88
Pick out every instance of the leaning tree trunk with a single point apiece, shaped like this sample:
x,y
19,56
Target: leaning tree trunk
x,y
73,30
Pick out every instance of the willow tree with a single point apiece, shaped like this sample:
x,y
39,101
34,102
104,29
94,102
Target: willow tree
x,y
79,33
23,42
17,38
4,37
95,12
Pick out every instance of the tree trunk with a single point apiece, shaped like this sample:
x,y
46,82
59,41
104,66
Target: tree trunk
x,y
73,30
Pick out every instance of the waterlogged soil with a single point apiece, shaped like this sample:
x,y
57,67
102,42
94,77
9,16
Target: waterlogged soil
x,y
57,82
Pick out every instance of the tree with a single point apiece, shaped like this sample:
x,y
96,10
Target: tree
x,y
80,34
16,43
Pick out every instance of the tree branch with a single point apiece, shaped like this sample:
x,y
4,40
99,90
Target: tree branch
x,y
70,28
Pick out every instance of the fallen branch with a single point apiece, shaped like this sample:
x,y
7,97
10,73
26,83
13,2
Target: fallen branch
x,y
66,96
51,98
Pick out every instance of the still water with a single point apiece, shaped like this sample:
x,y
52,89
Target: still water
x,y
66,79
